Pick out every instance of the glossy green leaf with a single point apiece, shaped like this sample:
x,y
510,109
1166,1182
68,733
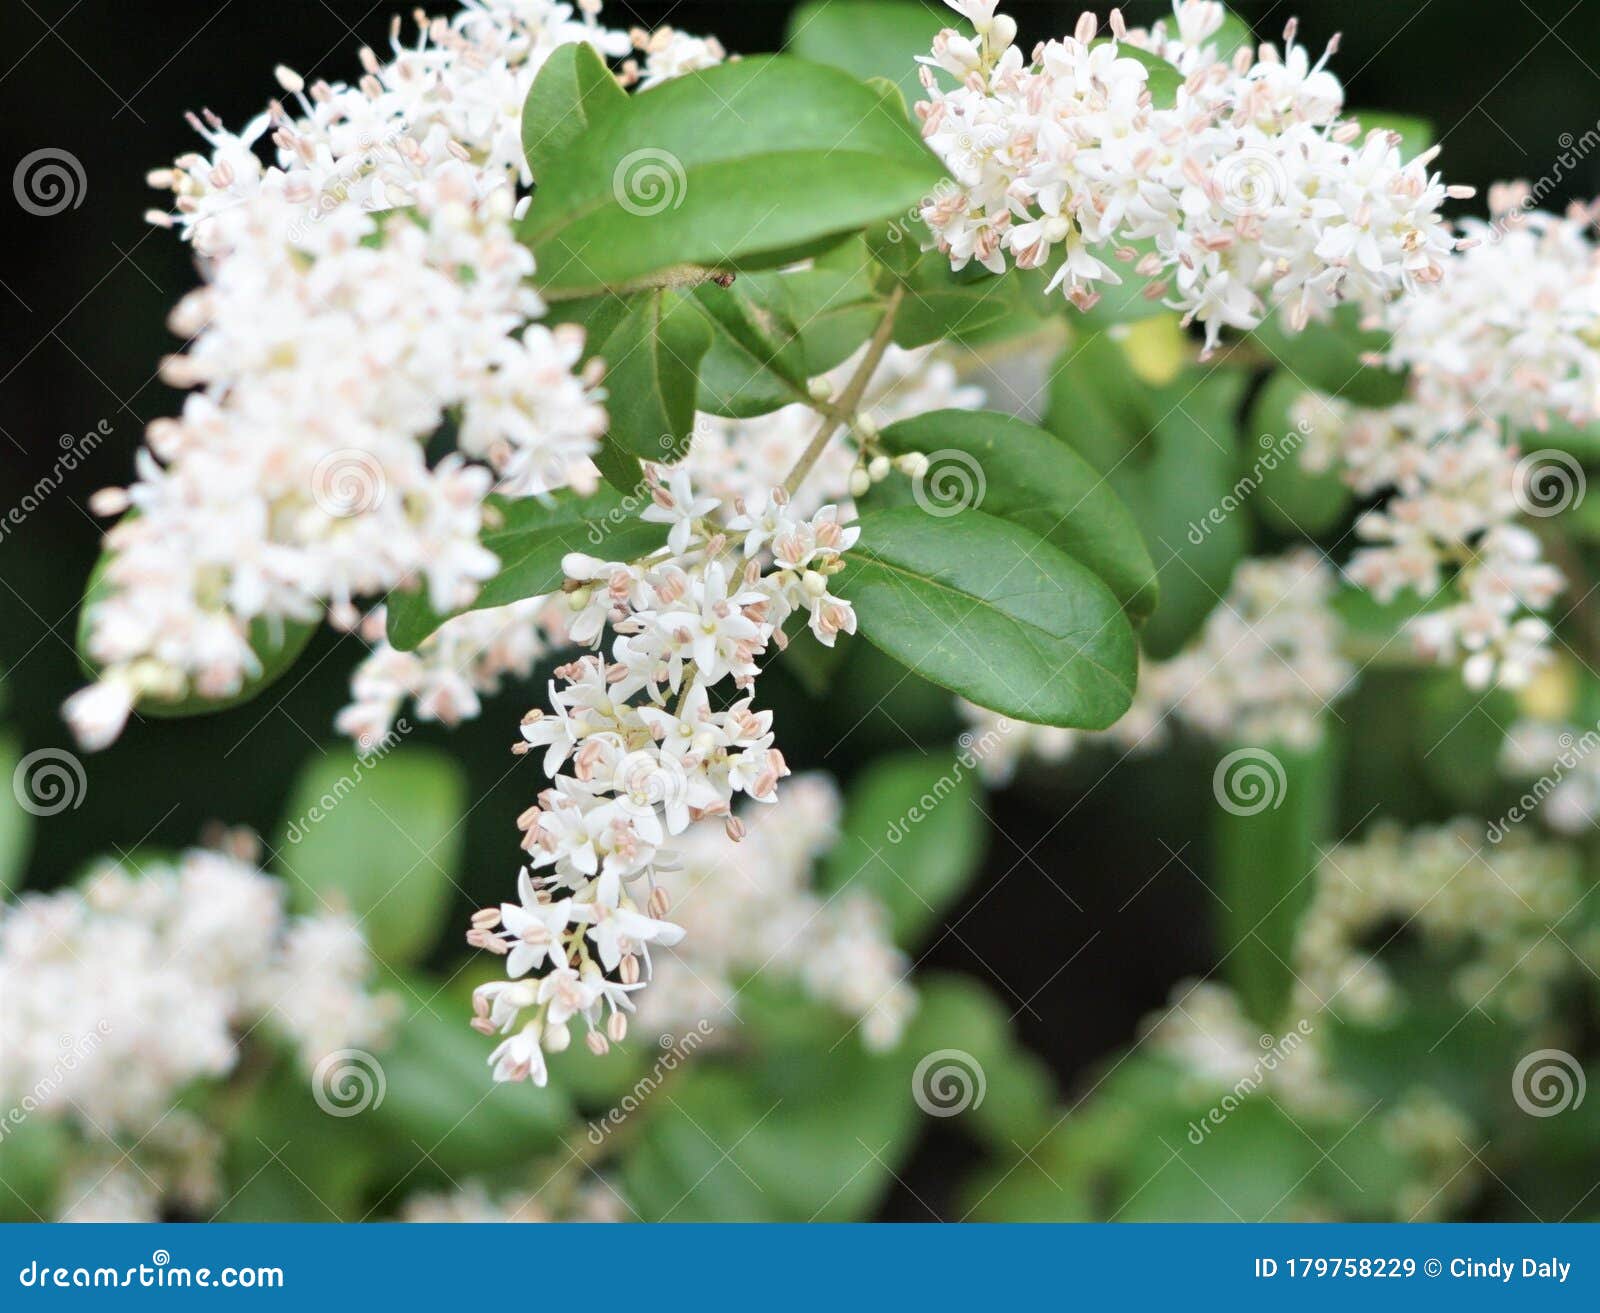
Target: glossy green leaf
x,y
912,836
573,89
379,837
756,361
530,535
277,644
1034,479
994,613
869,38
740,166
1329,357
652,360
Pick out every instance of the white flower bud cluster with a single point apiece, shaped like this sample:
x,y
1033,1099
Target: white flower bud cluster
x,y
636,752
121,995
1264,669
1205,1031
1506,344
1494,904
728,459
362,284
1565,759
1250,192
748,907
592,1201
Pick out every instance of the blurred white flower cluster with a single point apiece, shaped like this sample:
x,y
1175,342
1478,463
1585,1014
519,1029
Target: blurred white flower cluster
x,y
1565,759
1264,669
592,1201
1504,346
1246,194
1494,906
628,776
121,996
728,459
748,907
362,284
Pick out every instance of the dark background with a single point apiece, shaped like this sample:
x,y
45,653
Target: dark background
x,y
1101,872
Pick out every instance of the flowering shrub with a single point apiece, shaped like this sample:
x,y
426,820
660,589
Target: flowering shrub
x,y
544,344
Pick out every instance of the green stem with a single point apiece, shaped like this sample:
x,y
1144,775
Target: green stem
x,y
844,410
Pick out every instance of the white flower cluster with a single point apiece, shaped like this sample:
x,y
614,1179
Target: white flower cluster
x,y
640,769
1565,759
1503,346
362,284
1264,669
1248,193
728,459
1496,906
120,996
593,1201
748,907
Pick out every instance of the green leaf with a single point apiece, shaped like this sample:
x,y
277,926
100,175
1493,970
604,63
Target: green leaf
x,y
652,362
1328,357
440,1095
869,38
741,166
572,91
965,307
1031,478
1287,495
16,825
1416,135
1097,403
835,304
1234,34
380,837
1162,78
1274,808
277,644
531,536
994,613
912,837
756,362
